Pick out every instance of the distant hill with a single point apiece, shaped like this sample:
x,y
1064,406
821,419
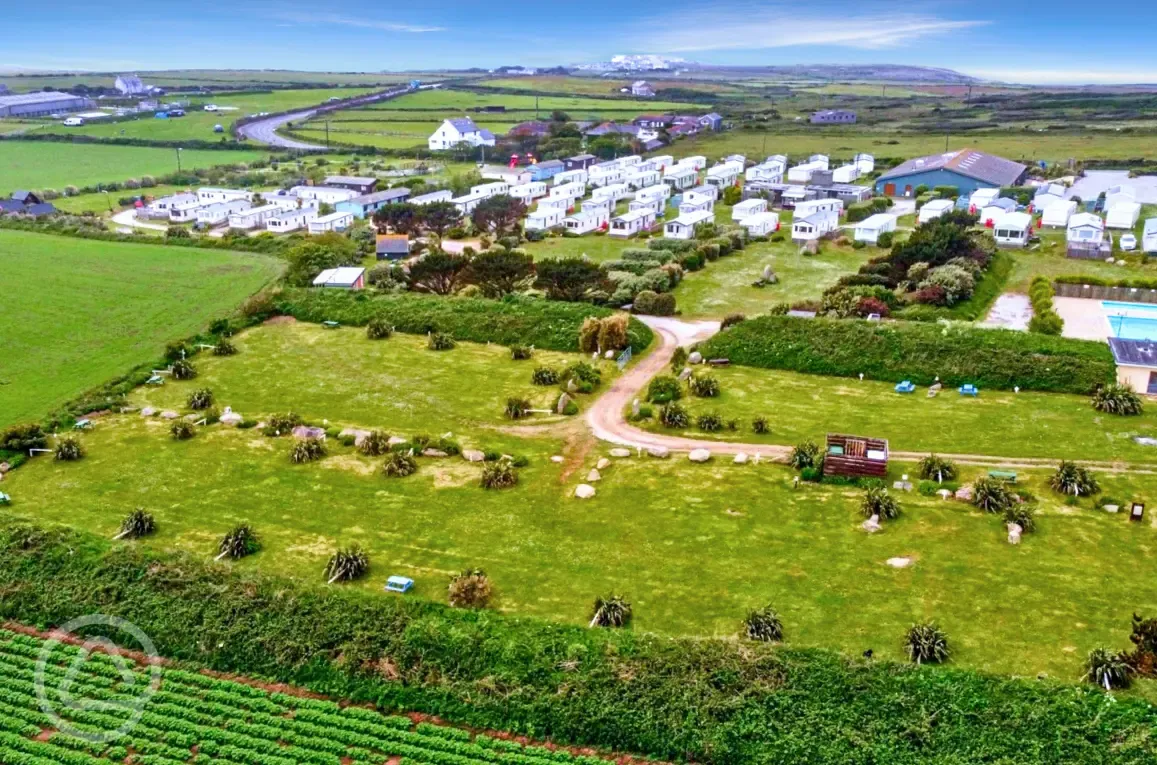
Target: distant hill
x,y
844,72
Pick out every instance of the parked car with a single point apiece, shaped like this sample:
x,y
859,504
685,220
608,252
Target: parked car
x,y
210,107
176,112
1128,242
74,122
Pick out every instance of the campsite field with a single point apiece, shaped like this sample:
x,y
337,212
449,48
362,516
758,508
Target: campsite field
x,y
77,313
52,165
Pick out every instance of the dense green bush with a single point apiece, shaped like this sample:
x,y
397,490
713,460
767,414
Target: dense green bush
x,y
499,474
763,624
709,422
306,450
544,376
1045,319
18,439
703,385
1117,398
926,644
68,449
378,329
347,564
1074,480
877,501
992,495
399,465
664,388
922,353
655,304
805,454
673,415
182,430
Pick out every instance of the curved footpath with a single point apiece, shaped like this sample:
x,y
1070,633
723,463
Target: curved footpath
x,y
607,421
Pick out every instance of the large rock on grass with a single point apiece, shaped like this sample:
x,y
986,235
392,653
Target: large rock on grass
x,y
699,455
620,452
584,491
659,452
473,455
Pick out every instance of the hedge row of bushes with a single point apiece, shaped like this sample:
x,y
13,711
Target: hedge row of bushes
x,y
83,227
1045,319
704,700
989,358
514,320
858,211
1096,281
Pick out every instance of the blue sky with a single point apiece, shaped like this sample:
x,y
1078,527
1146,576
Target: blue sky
x,y
1064,41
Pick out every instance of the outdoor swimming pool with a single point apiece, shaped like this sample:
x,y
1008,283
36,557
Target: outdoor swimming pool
x,y
1131,321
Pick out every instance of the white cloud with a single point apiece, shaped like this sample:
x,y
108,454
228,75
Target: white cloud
x,y
1065,76
352,21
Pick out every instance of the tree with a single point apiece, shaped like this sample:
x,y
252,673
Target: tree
x,y
325,208
500,214
559,116
440,217
438,272
568,279
500,273
400,217
309,259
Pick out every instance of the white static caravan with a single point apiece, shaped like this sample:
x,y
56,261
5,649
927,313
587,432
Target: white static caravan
x,y
865,163
695,201
747,208
219,212
256,216
982,198
604,207
662,161
487,190
1149,236
1116,195
555,203
683,227
658,191
809,206
1085,228
185,212
934,209
291,220
159,207
571,176
681,177
584,222
336,221
605,174
1012,229
209,195
641,179
1123,215
444,195
654,205
769,172
573,190
761,224
996,209
1057,214
528,192
629,161
845,174
696,162
814,225
803,173
614,192
544,218
725,174
327,194
1047,195
467,202
869,229
631,223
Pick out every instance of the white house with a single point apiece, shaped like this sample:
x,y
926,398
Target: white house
x,y
604,174
1085,228
324,194
493,189
747,208
1012,229
631,223
335,221
585,222
209,195
544,218
724,174
528,192
604,206
460,130
806,207
573,190
654,205
218,213
1057,214
934,209
1149,236
467,202
1123,215
443,195
695,161
578,175
641,179
865,163
869,229
256,216
981,198
683,227
614,192
814,225
291,220
681,176
761,224
845,174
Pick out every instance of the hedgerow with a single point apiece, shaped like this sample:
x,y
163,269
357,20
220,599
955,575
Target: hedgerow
x,y
988,358
707,700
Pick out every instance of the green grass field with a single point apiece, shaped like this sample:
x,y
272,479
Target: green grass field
x,y
77,313
49,165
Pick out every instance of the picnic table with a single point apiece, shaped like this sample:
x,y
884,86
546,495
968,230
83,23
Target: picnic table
x,y
399,584
330,324
968,389
1003,475
907,386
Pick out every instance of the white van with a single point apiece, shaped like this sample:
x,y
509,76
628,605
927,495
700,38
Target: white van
x,y
73,122
210,107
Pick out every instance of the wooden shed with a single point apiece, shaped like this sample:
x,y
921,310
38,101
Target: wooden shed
x,y
854,456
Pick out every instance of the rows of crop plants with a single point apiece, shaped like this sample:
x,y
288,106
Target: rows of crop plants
x,y
196,718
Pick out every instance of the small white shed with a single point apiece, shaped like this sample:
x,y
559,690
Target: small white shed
x,y
1012,229
747,208
869,229
934,209
1123,215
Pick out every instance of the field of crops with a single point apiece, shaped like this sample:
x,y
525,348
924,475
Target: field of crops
x,y
212,720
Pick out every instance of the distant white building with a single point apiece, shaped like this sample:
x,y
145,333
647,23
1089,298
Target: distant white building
x,y
814,225
444,195
1124,214
614,192
809,206
681,177
695,160
724,174
346,278
491,189
159,207
865,163
1057,214
291,220
467,202
209,195
528,192
578,175
641,179
219,212
683,227
185,211
642,89
459,130
605,174
654,205
544,218
584,222
845,174
695,201
246,220
335,221
604,206
130,85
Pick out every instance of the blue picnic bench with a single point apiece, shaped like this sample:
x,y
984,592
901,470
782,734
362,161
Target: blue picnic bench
x,y
968,389
82,425
330,324
399,584
906,387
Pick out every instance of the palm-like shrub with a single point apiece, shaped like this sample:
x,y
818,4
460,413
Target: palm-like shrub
x,y
375,444
1107,669
201,399
1074,479
673,415
280,424
804,455
224,348
664,389
1023,515
347,564
440,341
703,386
379,329
183,370
763,624
137,524
182,430
544,376
937,468
877,501
760,425
709,422
470,589
399,465
926,644
1117,398
68,449
991,495
238,543
306,450
499,475
611,611
517,408
520,352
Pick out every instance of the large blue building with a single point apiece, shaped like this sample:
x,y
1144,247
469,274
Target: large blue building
x,y
966,169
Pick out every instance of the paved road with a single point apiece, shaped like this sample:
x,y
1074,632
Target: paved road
x,y
129,218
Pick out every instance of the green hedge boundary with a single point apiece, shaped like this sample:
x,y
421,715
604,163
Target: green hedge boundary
x,y
708,701
894,351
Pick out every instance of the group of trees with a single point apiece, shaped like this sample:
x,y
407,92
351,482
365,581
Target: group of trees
x,y
405,218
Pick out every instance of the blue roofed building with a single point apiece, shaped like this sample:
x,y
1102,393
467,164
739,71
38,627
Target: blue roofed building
x,y
966,169
368,204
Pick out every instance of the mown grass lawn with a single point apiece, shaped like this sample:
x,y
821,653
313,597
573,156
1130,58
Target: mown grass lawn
x,y
997,423
76,313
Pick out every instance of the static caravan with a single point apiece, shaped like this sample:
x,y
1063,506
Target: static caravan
x,y
528,192
578,175
291,220
218,213
604,206
845,174
654,205
1116,195
683,227
1057,214
808,206
445,195
544,218
1149,236
725,174
662,161
696,162
681,177
604,175
645,166
159,207
694,201
555,203
209,195
1012,229
747,208
614,192
981,198
629,161
814,225
327,194
487,190
585,222
996,209
705,191
631,223
1123,215
869,229
658,191
468,202
769,172
801,173
641,179
1046,195
573,190
865,163
185,212
1085,229
934,209
335,221
761,224
256,216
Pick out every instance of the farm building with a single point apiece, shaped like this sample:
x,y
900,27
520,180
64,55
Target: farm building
x,y
1085,237
346,278
681,177
392,247
368,204
640,179
1136,364
544,171
335,221
934,209
208,195
683,227
580,161
325,194
445,195
1149,236
761,224
459,130
290,220
219,212
42,103
869,229
747,208
360,184
966,169
585,221
655,205
1057,214
614,192
833,117
544,218
1012,229
995,209
814,225
631,223
1123,215
528,192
